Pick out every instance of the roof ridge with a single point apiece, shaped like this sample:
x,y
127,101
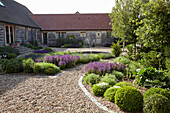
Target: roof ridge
x,y
74,14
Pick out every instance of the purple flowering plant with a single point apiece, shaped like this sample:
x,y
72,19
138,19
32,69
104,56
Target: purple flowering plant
x,y
64,61
103,67
40,51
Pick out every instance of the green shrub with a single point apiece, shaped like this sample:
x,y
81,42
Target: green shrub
x,y
150,59
116,49
156,104
41,67
99,89
153,91
28,65
84,59
110,79
94,57
48,49
148,74
123,84
91,79
50,71
11,55
118,75
122,59
67,45
129,98
110,94
106,55
14,66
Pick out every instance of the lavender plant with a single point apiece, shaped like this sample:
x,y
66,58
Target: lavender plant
x,y
102,68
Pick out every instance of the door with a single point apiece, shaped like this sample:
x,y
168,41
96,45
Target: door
x,y
45,38
98,37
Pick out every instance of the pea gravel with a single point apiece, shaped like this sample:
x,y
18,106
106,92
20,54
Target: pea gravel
x,y
60,94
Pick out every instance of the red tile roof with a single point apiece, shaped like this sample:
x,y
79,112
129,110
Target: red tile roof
x,y
73,21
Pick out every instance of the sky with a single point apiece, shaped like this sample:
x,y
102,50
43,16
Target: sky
x,y
68,6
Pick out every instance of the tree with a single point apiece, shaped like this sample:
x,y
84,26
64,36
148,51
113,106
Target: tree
x,y
154,31
125,17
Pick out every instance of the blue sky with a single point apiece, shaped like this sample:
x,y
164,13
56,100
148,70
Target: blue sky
x,y
68,6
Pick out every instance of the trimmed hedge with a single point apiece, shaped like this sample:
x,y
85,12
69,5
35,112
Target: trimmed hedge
x,y
99,89
153,91
110,94
129,98
156,104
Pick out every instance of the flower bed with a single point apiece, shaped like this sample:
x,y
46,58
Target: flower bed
x,y
125,96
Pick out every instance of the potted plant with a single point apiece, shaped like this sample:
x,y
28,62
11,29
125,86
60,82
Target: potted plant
x,y
12,45
17,42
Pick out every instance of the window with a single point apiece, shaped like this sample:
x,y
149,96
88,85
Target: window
x,y
1,4
108,34
83,34
98,34
9,34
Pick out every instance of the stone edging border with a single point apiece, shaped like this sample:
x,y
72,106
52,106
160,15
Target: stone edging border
x,y
91,97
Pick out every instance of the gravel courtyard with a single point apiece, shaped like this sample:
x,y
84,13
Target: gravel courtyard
x,y
34,94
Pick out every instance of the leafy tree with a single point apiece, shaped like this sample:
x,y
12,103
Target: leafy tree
x,y
154,32
125,18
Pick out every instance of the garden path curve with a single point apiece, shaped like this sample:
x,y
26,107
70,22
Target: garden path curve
x,y
61,94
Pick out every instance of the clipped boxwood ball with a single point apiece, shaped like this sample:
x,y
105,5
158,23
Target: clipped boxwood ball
x,y
129,98
123,84
100,88
156,104
153,91
50,71
110,94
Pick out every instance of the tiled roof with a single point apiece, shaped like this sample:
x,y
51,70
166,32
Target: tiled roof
x,y
72,21
15,13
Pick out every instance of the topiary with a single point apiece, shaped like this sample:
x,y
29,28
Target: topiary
x,y
156,104
153,91
110,79
129,98
99,89
123,84
118,75
91,79
28,65
50,71
110,94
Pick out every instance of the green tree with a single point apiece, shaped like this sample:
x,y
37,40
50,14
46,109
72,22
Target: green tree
x,y
125,18
154,32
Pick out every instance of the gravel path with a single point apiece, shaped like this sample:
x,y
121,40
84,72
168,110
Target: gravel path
x,y
32,94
